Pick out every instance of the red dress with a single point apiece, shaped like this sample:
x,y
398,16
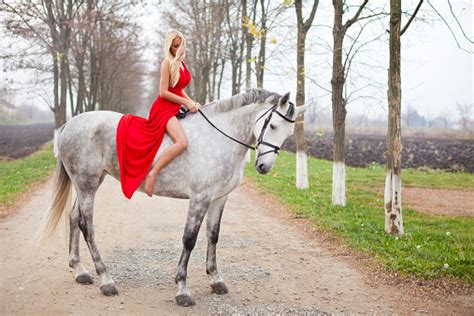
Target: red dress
x,y
138,139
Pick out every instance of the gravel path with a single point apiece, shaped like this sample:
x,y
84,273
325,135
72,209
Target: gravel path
x,y
270,266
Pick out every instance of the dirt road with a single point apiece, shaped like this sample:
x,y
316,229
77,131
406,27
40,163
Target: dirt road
x,y
269,266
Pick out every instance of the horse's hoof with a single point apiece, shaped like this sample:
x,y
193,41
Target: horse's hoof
x,y
84,279
109,290
184,300
219,288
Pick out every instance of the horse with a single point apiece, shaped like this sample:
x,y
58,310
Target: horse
x,y
204,173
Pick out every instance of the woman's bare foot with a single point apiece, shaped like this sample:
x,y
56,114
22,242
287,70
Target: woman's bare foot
x,y
149,185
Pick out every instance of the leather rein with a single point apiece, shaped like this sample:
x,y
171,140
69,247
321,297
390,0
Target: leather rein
x,y
260,141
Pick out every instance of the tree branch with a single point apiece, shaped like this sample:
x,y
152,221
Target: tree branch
x,y
450,29
412,17
356,16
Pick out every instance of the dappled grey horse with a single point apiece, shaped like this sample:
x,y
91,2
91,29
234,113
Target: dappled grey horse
x,y
210,168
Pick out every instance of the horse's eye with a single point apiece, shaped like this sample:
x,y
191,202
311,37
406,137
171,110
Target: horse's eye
x,y
272,126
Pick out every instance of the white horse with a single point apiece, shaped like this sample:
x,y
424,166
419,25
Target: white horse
x,y
210,168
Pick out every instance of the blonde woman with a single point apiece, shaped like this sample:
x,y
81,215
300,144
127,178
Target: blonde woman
x,y
139,139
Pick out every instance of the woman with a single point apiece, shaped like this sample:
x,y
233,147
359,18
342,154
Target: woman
x,y
138,139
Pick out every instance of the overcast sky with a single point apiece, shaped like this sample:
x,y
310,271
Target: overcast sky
x,y
436,74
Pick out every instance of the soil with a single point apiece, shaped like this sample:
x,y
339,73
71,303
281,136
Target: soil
x,y
22,140
272,264
362,150
439,201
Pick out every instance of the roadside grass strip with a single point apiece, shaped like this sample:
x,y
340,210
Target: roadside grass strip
x,y
17,176
433,246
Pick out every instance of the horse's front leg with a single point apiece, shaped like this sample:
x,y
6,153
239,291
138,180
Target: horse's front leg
x,y
197,210
214,217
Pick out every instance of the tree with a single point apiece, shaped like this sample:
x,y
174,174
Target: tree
x,y
465,113
201,22
339,72
301,148
393,180
235,13
86,42
445,116
248,40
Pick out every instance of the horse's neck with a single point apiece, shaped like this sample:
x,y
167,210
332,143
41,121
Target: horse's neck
x,y
226,105
239,123
239,100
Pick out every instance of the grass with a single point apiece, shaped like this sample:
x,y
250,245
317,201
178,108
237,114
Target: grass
x,y
16,176
432,247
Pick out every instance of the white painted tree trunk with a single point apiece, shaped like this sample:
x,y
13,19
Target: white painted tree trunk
x,y
393,204
339,183
55,143
301,170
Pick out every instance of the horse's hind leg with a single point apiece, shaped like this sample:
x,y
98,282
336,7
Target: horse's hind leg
x,y
197,210
214,216
81,274
86,209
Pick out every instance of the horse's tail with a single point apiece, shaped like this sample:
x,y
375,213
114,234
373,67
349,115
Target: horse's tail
x,y
61,200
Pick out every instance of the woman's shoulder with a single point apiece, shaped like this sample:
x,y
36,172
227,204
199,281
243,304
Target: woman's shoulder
x,y
165,63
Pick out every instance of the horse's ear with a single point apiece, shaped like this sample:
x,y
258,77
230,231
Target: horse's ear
x,y
269,99
284,99
300,110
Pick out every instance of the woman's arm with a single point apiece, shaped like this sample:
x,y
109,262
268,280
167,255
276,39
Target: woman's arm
x,y
187,96
164,93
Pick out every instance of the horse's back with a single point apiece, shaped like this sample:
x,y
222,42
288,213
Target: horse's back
x,y
87,142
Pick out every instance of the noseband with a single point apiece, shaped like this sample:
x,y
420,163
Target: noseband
x,y
260,141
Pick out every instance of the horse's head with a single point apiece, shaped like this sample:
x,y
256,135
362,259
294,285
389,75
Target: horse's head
x,y
271,129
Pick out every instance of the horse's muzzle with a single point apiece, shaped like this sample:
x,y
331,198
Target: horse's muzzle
x,y
261,167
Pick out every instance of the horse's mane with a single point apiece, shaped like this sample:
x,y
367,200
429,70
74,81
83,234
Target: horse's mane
x,y
243,99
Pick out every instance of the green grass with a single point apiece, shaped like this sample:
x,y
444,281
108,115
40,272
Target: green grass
x,y
17,175
432,247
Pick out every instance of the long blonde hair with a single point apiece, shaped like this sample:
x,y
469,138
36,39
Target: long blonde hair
x,y
174,61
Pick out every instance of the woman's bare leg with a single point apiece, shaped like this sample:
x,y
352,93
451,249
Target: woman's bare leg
x,y
176,132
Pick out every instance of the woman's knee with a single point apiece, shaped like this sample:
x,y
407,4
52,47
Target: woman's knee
x,y
182,144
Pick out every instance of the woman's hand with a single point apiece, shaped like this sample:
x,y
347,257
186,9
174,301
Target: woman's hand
x,y
193,106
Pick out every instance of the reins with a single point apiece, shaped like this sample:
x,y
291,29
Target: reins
x,y
260,140
226,135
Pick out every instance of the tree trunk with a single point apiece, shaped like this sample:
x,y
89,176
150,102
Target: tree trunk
x,y
248,56
69,87
248,44
221,76
81,87
58,120
301,148
393,184
338,110
260,69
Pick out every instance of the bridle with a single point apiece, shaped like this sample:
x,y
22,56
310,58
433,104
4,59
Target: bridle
x,y
275,149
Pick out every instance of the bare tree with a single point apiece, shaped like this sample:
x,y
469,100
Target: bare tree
x,y
393,180
235,33
85,41
267,17
339,72
445,116
465,114
201,22
406,117
248,39
48,25
301,148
